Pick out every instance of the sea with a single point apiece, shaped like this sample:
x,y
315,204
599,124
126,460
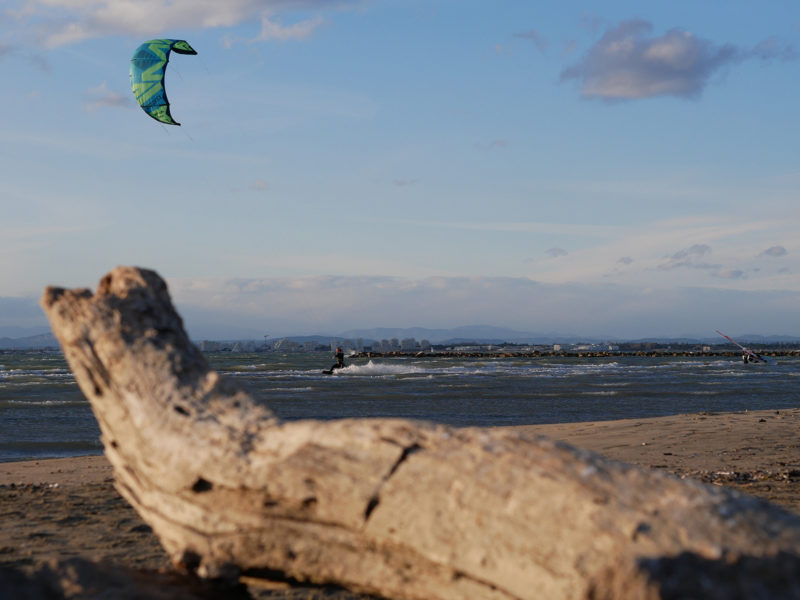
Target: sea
x,y
43,413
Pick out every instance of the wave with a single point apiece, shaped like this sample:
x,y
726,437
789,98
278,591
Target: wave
x,y
373,369
33,402
46,384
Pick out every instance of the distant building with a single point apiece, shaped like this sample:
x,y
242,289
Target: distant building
x,y
408,345
209,346
286,345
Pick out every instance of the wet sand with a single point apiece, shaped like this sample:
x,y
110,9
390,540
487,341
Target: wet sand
x,y
62,508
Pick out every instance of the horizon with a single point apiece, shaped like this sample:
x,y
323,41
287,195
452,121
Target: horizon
x,y
623,171
462,334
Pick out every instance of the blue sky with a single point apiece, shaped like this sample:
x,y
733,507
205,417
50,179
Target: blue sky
x,y
606,169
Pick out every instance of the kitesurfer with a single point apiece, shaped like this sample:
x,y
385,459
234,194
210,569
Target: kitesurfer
x,y
339,360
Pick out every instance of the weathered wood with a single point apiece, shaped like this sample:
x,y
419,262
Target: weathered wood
x,y
391,507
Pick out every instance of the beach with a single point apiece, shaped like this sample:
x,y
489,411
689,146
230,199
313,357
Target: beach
x,y
68,508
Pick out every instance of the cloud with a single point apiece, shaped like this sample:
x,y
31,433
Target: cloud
x,y
535,37
774,251
555,252
499,143
625,260
227,308
37,60
729,274
335,303
688,258
772,48
273,30
569,48
695,250
630,63
403,182
259,185
101,97
591,22
62,22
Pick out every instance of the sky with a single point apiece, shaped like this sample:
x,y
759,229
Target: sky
x,y
618,168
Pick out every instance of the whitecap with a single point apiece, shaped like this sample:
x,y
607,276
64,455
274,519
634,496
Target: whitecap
x,y
374,369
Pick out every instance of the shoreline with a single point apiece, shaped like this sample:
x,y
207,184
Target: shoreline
x,y
62,508
708,444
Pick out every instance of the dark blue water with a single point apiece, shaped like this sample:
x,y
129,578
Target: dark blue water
x,y
43,414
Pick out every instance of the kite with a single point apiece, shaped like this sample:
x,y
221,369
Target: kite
x,y
148,66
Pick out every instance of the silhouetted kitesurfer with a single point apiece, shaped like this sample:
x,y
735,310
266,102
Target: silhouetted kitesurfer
x,y
339,362
339,359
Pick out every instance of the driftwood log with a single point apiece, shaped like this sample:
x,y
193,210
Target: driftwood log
x,y
395,508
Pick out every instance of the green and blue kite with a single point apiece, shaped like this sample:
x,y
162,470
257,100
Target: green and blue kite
x,y
148,66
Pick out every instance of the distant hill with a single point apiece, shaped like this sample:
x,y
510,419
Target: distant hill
x,y
471,333
488,334
31,342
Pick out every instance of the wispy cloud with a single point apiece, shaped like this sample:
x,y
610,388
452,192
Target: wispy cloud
x,y
772,48
689,257
555,252
534,36
101,97
774,251
331,304
403,182
498,143
61,22
37,60
273,29
628,62
729,274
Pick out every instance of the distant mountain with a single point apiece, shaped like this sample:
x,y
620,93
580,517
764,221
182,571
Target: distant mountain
x,y
31,342
488,334
762,339
471,333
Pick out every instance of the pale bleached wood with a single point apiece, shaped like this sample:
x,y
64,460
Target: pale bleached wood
x,y
392,507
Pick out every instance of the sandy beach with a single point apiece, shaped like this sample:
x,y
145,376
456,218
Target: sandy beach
x,y
63,508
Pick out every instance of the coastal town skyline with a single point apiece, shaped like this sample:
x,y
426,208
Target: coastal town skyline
x,y
621,172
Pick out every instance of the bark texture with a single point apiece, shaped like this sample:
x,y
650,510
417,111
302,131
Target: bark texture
x,y
390,507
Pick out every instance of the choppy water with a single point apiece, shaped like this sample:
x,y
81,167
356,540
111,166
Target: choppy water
x,y
43,413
